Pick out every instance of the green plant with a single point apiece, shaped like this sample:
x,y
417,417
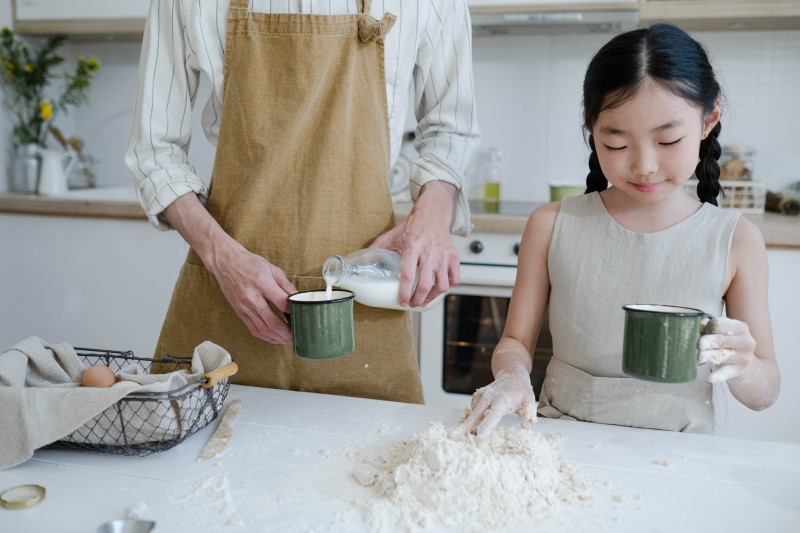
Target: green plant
x,y
25,73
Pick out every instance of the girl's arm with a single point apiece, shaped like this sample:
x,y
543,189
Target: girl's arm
x,y
512,360
741,346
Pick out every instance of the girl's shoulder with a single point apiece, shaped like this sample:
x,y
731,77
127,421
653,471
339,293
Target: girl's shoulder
x,y
540,225
544,215
747,236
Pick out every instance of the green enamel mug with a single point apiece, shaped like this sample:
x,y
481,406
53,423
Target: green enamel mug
x,y
660,342
322,326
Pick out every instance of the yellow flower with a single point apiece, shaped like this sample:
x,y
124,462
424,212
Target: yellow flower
x,y
93,63
28,67
45,110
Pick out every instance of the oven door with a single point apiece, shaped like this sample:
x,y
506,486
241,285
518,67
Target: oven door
x,y
457,339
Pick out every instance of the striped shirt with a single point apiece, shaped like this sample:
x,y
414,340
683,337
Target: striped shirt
x,y
428,57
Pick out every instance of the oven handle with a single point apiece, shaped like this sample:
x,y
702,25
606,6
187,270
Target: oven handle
x,y
488,275
494,291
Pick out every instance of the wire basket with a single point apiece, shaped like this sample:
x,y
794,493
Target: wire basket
x,y
143,423
747,197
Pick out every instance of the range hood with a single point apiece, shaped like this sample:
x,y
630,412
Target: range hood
x,y
520,22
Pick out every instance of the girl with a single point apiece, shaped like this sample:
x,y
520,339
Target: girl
x,y
651,105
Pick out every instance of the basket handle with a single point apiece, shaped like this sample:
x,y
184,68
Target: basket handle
x,y
211,378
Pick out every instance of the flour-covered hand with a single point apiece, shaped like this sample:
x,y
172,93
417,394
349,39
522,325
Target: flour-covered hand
x,y
511,392
730,348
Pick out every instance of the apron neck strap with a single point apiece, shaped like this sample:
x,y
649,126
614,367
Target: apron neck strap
x,y
240,5
370,29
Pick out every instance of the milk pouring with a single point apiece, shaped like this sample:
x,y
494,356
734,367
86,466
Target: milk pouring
x,y
372,274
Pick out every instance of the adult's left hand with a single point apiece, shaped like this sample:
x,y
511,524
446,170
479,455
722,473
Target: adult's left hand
x,y
424,242
730,348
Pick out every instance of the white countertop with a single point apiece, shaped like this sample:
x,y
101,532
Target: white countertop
x,y
120,202
284,470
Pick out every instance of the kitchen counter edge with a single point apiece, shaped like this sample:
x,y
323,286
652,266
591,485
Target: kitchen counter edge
x,y
780,231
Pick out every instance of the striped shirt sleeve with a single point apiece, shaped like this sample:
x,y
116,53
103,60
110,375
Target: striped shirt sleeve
x,y
447,130
157,151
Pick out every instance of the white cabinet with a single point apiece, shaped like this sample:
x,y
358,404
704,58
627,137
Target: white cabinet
x,y
80,17
549,5
80,9
98,283
778,422
723,14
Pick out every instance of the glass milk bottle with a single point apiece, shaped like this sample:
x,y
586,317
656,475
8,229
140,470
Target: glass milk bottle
x,y
372,274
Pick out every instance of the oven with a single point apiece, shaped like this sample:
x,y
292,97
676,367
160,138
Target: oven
x,y
457,338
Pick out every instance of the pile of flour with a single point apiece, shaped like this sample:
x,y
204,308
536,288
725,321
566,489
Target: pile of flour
x,y
513,477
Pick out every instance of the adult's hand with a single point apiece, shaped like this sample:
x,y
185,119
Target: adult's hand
x,y
424,242
248,281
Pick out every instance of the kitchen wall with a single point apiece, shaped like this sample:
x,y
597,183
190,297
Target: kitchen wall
x,y
529,94
528,97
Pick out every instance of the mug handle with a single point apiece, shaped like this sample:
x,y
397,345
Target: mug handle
x,y
706,318
703,322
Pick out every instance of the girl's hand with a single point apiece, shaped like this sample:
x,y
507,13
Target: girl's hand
x,y
729,347
511,392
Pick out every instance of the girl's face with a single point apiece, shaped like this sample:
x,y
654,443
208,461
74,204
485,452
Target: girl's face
x,y
649,145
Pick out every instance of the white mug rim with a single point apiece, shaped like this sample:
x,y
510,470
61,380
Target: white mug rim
x,y
337,295
664,309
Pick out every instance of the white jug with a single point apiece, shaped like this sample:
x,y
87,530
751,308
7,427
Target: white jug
x,y
56,167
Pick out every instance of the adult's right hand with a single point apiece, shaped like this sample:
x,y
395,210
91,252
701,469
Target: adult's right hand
x,y
249,283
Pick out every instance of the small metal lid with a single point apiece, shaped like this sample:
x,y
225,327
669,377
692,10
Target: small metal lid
x,y
22,496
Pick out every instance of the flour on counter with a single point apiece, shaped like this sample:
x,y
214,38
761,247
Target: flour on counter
x,y
207,501
430,480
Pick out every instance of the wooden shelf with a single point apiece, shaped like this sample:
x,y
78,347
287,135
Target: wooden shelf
x,y
85,30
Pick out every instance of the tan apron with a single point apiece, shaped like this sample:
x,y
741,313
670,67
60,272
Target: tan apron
x,y
301,173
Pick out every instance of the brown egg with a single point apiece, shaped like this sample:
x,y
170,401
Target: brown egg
x,y
98,376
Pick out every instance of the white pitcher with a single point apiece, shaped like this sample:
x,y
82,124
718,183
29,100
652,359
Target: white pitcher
x,y
56,167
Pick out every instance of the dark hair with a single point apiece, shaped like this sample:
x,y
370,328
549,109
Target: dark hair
x,y
667,55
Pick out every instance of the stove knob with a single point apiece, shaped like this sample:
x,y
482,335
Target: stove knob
x,y
476,247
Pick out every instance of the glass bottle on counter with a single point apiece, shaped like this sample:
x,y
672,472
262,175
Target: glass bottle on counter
x,y
372,275
491,185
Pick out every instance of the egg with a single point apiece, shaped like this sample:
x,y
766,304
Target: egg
x,y
98,376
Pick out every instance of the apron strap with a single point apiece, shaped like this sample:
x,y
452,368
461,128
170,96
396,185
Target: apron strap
x,y
370,29
240,5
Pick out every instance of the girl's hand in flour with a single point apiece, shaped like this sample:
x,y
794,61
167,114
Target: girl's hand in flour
x,y
511,392
730,348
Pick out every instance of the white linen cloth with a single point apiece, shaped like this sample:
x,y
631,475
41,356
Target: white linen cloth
x,y
427,58
42,401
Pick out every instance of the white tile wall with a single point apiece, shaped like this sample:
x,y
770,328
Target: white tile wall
x,y
528,95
